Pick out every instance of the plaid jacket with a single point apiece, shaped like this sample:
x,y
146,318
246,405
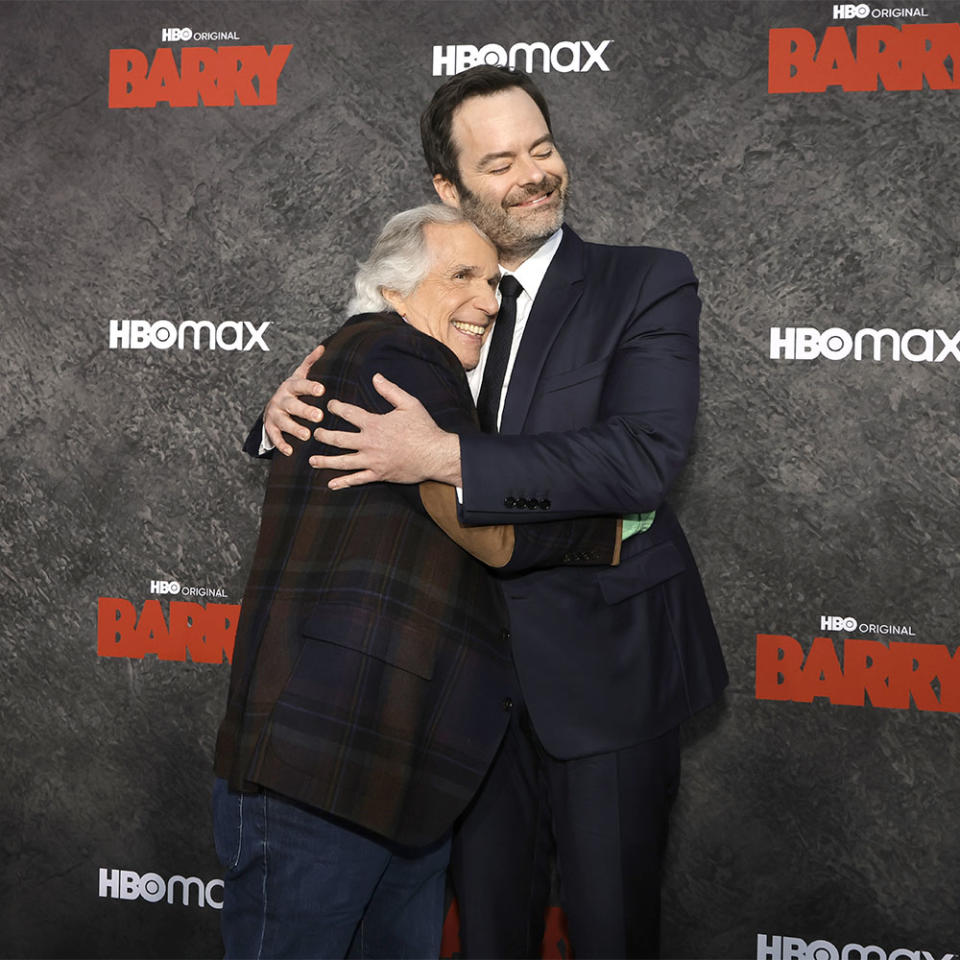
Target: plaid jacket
x,y
371,669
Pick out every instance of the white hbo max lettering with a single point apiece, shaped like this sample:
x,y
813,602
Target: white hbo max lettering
x,y
794,948
567,56
162,335
809,343
189,891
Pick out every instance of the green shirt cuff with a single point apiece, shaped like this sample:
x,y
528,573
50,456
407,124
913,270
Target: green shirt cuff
x,y
637,523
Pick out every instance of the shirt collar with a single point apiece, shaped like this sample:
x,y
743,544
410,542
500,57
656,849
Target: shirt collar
x,y
531,272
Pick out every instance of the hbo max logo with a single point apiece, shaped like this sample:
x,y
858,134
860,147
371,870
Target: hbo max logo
x,y
917,346
130,885
567,56
162,335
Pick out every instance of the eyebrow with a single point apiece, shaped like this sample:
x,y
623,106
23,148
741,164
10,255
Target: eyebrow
x,y
488,157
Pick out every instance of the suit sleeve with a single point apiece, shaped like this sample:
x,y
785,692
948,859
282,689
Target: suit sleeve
x,y
424,368
626,460
251,445
591,541
420,367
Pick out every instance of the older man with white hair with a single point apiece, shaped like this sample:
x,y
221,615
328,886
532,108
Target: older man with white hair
x,y
371,681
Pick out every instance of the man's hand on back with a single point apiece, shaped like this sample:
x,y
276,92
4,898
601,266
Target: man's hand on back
x,y
286,404
403,446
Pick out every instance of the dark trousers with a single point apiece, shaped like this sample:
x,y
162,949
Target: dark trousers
x,y
606,818
299,884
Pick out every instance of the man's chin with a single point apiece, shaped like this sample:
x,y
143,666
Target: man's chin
x,y
536,222
536,229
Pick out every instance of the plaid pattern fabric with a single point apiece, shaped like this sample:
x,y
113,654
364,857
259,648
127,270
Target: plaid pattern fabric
x,y
371,659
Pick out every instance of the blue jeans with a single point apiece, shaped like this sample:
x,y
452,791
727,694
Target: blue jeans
x,y
300,884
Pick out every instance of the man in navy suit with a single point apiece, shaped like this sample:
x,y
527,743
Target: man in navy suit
x,y
590,399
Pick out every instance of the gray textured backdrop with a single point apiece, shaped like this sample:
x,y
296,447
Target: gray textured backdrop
x,y
816,487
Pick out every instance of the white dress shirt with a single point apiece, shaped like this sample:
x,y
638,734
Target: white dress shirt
x,y
529,275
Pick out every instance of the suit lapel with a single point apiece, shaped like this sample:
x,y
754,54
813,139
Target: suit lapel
x,y
558,294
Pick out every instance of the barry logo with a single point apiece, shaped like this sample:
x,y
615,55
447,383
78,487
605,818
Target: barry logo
x,y
204,632
220,77
892,675
882,57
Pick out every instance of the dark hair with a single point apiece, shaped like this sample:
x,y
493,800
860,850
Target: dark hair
x,y
437,120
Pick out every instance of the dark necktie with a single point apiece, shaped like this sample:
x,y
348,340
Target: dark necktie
x,y
488,403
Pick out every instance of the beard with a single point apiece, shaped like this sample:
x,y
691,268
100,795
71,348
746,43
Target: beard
x,y
518,235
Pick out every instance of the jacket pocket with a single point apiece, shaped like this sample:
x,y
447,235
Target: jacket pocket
x,y
399,644
641,572
571,378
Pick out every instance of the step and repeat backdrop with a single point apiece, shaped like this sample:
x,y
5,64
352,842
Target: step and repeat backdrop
x,y
185,189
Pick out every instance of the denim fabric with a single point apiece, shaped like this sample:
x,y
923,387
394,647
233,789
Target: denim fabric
x,y
299,884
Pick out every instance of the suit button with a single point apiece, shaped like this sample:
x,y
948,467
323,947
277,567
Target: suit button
x,y
544,504
507,703
509,502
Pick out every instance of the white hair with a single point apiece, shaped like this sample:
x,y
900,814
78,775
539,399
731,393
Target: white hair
x,y
400,258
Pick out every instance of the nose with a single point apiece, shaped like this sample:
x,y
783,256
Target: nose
x,y
530,170
486,301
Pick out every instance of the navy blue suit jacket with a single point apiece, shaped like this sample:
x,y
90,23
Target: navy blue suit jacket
x,y
598,418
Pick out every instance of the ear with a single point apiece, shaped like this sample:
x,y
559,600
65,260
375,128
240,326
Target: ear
x,y
395,300
446,191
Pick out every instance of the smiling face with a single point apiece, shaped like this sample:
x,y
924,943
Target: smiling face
x,y
513,180
456,302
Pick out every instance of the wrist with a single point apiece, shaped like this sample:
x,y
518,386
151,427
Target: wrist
x,y
445,460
